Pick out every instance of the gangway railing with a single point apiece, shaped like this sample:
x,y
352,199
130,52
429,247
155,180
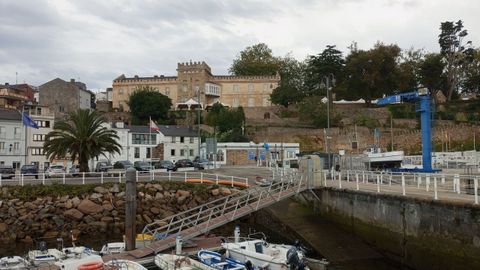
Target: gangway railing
x,y
203,218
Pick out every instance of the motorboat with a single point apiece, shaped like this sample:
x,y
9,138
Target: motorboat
x,y
178,262
113,248
377,159
73,262
45,256
14,263
124,265
261,253
141,240
219,261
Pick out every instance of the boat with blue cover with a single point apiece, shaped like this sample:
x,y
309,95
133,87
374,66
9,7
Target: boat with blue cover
x,y
219,261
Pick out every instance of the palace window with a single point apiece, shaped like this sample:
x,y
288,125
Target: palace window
x,y
250,88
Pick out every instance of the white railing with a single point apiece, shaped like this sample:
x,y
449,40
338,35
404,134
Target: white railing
x,y
436,186
82,178
208,216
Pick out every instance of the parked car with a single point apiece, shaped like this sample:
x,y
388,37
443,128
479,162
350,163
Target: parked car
x,y
165,164
55,170
202,163
29,170
74,170
7,172
183,163
122,164
142,166
103,166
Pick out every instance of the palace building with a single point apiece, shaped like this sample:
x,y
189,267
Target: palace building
x,y
195,86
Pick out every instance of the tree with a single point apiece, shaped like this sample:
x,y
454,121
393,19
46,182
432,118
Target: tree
x,y
82,136
329,61
290,88
471,82
409,69
313,110
373,73
146,102
431,73
455,53
228,122
255,60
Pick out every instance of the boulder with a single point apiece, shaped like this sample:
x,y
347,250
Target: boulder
x,y
225,191
215,192
68,204
182,193
76,201
106,219
107,206
73,214
3,227
95,196
89,207
147,218
115,188
50,234
100,190
181,200
64,198
155,210
159,196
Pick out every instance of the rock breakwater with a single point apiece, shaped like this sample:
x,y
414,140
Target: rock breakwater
x,y
33,212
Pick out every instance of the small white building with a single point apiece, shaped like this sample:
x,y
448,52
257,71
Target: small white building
x,y
138,143
177,142
240,153
12,139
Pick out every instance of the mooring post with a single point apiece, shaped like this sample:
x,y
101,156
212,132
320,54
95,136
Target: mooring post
x,y
130,208
178,245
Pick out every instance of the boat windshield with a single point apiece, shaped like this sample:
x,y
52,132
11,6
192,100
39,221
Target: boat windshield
x,y
259,247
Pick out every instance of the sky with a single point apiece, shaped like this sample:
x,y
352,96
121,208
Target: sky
x,y
95,41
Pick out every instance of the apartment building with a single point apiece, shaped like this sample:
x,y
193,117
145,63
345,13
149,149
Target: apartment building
x,y
12,139
45,120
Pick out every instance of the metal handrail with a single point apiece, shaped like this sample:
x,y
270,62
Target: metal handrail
x,y
200,217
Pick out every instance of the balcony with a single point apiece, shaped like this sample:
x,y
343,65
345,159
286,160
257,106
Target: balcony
x,y
212,90
10,94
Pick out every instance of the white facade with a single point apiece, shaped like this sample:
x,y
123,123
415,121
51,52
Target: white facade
x,y
85,99
36,137
12,140
179,147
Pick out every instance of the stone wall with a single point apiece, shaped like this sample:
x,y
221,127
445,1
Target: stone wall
x,y
422,234
101,210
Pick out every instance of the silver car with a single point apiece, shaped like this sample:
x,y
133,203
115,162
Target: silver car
x,y
55,170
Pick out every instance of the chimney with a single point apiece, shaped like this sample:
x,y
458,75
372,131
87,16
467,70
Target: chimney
x,y
6,84
72,81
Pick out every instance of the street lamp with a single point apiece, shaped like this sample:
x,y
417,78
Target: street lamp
x,y
198,119
328,81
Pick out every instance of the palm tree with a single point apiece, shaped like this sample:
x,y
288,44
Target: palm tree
x,y
82,136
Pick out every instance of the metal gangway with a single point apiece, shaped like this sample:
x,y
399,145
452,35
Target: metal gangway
x,y
203,218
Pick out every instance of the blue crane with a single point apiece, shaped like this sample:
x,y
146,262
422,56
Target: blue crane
x,y
422,97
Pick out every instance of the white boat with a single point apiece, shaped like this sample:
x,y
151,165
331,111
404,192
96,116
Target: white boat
x,y
73,262
45,257
113,248
174,262
219,261
261,254
14,263
124,265
381,160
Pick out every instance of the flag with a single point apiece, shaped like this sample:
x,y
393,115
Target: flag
x,y
27,121
153,126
